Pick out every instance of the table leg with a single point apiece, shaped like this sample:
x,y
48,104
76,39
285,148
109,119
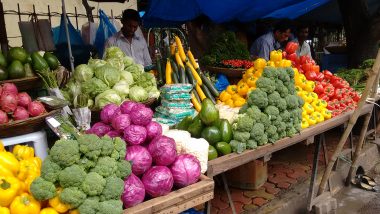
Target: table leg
x,y
314,175
228,193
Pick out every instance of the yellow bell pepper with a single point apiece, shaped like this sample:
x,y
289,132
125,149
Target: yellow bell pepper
x,y
296,73
306,97
74,211
246,76
23,152
311,120
260,63
304,113
243,89
298,89
239,102
28,181
4,171
9,188
304,123
271,64
25,204
308,108
230,102
1,146
326,114
28,168
224,96
310,85
318,116
4,210
9,161
300,81
251,81
314,95
235,97
317,105
231,89
48,210
258,73
57,204
251,89
276,55
323,103
250,70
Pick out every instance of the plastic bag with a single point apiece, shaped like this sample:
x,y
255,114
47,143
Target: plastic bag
x,y
106,29
88,31
221,82
82,117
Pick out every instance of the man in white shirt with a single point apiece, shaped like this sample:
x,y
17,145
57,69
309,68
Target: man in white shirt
x,y
304,47
132,43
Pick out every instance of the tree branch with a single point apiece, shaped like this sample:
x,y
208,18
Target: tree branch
x,y
88,10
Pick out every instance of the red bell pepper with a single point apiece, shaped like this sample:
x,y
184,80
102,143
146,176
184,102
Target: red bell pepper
x,y
284,54
324,97
329,90
292,57
320,76
318,88
316,68
304,59
307,67
327,74
291,47
310,75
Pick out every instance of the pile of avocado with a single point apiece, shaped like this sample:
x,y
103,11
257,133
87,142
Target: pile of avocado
x,y
18,63
208,125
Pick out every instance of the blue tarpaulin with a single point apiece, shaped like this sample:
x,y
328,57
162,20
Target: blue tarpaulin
x,y
220,11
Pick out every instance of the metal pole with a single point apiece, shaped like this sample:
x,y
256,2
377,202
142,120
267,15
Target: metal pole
x,y
3,31
67,36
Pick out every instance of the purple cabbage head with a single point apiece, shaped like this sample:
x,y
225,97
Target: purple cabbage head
x,y
134,191
107,112
186,170
134,134
120,122
100,129
158,181
153,129
163,150
140,158
141,115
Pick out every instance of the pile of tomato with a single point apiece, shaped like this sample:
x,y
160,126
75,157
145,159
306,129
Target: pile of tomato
x,y
237,63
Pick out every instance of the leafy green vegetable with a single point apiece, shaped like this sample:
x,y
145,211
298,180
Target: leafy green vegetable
x,y
122,88
108,74
83,73
95,63
93,87
138,94
107,97
127,76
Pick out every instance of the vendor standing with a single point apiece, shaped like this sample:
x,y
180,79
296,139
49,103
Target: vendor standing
x,y
270,41
304,47
133,44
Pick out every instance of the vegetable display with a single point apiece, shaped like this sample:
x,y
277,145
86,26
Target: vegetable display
x,y
17,171
84,174
16,106
112,80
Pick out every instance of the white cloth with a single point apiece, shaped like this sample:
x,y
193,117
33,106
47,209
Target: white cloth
x,y
303,49
137,48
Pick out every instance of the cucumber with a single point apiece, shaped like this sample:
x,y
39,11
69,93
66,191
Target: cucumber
x,y
186,79
208,93
181,75
174,77
159,70
197,96
190,76
209,85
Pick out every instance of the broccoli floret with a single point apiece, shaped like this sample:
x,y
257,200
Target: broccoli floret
x,y
264,119
297,125
290,132
282,134
262,140
273,138
110,207
120,147
285,115
71,176
270,72
258,98
251,144
301,102
107,146
281,127
238,146
86,163
271,130
89,206
291,89
291,101
113,189
281,88
244,123
266,84
42,189
93,184
272,112
243,109
106,166
241,136
253,112
90,145
257,130
283,75
290,72
296,114
65,152
50,170
123,169
281,104
72,196
273,98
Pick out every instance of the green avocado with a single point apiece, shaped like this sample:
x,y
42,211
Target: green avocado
x,y
39,63
3,61
3,74
196,127
51,60
212,135
16,70
17,53
185,123
226,130
208,113
212,153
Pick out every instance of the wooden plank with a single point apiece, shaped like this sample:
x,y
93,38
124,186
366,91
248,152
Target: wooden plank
x,y
233,160
188,204
177,198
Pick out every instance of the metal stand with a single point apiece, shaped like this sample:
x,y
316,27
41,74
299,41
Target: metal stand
x,y
227,189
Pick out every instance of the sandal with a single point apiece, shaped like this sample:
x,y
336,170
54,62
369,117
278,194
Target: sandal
x,y
364,181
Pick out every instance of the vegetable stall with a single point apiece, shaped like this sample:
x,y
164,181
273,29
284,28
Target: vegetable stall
x,y
129,140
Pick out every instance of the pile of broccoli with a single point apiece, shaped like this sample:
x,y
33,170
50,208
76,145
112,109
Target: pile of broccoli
x,y
273,111
90,171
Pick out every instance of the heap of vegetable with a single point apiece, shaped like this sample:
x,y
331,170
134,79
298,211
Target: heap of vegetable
x,y
112,80
85,174
17,171
273,111
15,106
357,76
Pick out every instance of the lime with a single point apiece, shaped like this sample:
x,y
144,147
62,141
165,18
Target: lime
x,y
223,148
212,153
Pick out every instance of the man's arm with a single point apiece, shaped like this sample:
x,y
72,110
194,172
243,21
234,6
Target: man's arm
x,y
263,50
